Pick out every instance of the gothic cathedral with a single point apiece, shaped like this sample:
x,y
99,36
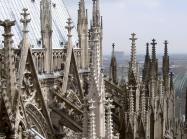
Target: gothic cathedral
x,y
53,87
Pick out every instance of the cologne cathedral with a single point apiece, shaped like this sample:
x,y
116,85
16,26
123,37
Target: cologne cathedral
x,y
52,83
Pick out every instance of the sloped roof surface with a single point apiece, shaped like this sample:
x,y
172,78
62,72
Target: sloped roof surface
x,y
11,9
180,83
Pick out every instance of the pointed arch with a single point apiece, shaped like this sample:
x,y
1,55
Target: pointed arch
x,y
129,134
37,120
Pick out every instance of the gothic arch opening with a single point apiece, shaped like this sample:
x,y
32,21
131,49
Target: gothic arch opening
x,y
152,125
37,121
130,134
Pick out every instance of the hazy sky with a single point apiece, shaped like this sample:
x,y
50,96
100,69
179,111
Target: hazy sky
x,y
159,19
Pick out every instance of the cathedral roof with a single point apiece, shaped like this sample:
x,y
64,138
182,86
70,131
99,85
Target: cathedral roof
x,y
180,83
11,9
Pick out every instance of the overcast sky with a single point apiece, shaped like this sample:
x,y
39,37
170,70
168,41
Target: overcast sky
x,y
159,19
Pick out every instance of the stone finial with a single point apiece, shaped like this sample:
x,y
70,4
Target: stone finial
x,y
25,20
133,39
153,42
166,42
7,24
69,27
113,47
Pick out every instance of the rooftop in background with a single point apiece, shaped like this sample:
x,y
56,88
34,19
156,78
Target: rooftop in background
x,y
11,9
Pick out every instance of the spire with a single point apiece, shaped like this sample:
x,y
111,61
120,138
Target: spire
x,y
133,72
46,31
165,66
132,63
154,63
113,66
145,76
133,52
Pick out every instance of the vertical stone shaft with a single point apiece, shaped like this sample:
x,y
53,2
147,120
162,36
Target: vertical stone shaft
x,y
69,27
46,31
9,57
82,28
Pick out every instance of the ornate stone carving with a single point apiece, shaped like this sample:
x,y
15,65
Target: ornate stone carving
x,y
29,90
37,120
